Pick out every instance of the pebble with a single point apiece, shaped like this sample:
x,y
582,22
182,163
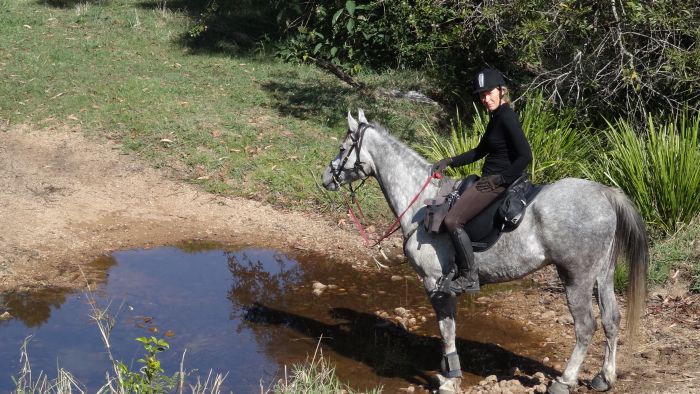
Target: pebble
x,y
548,315
401,311
6,316
541,388
318,286
539,376
396,278
545,360
317,292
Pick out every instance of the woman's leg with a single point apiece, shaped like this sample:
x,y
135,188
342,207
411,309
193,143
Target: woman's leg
x,y
472,201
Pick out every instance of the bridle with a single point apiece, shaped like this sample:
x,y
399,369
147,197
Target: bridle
x,y
356,147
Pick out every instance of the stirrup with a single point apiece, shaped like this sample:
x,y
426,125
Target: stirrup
x,y
443,285
461,285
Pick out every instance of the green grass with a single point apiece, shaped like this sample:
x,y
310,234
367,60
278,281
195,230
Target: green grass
x,y
558,148
237,122
657,167
681,252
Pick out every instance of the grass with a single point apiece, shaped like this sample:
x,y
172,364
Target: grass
x,y
679,252
316,376
657,167
237,122
558,148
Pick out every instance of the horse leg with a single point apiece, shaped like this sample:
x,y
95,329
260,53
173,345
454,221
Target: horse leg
x,y
610,315
579,297
451,376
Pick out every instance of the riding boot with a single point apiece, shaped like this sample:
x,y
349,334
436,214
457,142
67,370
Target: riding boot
x,y
467,278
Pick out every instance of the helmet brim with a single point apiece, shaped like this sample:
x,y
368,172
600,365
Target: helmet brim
x,y
485,89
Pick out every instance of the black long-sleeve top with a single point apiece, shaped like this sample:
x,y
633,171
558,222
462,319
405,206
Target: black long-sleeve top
x,y
504,145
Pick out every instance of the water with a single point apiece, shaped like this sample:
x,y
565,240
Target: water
x,y
250,312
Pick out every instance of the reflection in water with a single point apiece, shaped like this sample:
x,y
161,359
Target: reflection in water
x,y
251,312
34,308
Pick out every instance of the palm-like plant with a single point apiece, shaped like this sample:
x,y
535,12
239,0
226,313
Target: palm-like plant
x,y
659,168
558,149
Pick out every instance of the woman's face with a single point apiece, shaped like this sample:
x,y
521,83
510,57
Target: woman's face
x,y
491,98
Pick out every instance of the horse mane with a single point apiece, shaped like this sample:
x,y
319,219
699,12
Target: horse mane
x,y
394,141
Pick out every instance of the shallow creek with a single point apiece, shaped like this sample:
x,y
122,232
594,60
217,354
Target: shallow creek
x,y
250,312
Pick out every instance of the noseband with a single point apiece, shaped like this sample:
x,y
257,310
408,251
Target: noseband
x,y
356,147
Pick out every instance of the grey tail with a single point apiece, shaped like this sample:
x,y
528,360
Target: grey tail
x,y
632,241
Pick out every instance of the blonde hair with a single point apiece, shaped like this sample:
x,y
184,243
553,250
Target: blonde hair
x,y
505,97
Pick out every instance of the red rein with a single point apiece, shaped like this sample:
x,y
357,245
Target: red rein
x,y
394,226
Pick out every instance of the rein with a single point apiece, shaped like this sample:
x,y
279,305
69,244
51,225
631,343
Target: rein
x,y
394,226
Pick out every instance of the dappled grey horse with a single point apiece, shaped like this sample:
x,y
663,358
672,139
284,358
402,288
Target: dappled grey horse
x,y
579,226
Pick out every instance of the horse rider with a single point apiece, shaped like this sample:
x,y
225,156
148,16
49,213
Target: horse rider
x,y
507,154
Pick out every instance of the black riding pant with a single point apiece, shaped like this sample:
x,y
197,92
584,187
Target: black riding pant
x,y
471,203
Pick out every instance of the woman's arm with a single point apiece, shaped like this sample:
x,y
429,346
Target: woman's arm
x,y
470,156
514,132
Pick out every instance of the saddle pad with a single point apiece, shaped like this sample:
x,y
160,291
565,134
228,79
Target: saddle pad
x,y
485,228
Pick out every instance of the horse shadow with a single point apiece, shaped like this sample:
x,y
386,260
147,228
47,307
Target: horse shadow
x,y
391,351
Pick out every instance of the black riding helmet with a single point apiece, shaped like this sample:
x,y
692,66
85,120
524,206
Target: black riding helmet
x,y
487,80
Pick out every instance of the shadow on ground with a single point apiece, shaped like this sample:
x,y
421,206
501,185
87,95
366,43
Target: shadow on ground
x,y
390,350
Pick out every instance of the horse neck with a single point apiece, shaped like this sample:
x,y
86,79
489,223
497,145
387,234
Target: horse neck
x,y
401,173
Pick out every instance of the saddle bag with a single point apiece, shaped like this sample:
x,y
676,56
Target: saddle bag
x,y
512,208
434,216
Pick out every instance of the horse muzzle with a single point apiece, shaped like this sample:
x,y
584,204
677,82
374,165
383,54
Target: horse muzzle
x,y
328,180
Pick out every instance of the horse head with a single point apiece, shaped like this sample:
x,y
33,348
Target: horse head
x,y
352,162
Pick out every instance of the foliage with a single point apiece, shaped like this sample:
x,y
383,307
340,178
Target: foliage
x,y
602,58
247,125
461,139
657,167
151,377
25,382
314,377
679,252
558,149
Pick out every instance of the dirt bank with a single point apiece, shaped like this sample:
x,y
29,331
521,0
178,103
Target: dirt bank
x,y
65,199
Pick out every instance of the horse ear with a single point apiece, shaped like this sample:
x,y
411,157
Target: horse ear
x,y
352,123
361,116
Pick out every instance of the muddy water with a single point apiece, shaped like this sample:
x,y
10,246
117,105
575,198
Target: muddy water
x,y
251,312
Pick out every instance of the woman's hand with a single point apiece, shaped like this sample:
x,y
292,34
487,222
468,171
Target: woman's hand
x,y
489,183
440,165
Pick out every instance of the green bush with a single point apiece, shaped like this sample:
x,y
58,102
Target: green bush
x,y
151,378
657,167
558,149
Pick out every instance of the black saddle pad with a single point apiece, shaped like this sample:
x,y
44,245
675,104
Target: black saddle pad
x,y
486,227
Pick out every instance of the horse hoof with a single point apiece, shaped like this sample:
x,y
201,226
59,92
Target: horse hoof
x,y
448,385
599,384
557,388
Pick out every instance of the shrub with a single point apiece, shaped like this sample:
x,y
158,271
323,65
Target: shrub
x,y
657,167
558,149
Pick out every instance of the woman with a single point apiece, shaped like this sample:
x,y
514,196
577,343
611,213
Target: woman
x,y
507,155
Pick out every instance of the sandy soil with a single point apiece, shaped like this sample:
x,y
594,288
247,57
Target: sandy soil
x,y
66,199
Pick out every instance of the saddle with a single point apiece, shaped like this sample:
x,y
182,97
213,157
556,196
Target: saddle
x,y
503,215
